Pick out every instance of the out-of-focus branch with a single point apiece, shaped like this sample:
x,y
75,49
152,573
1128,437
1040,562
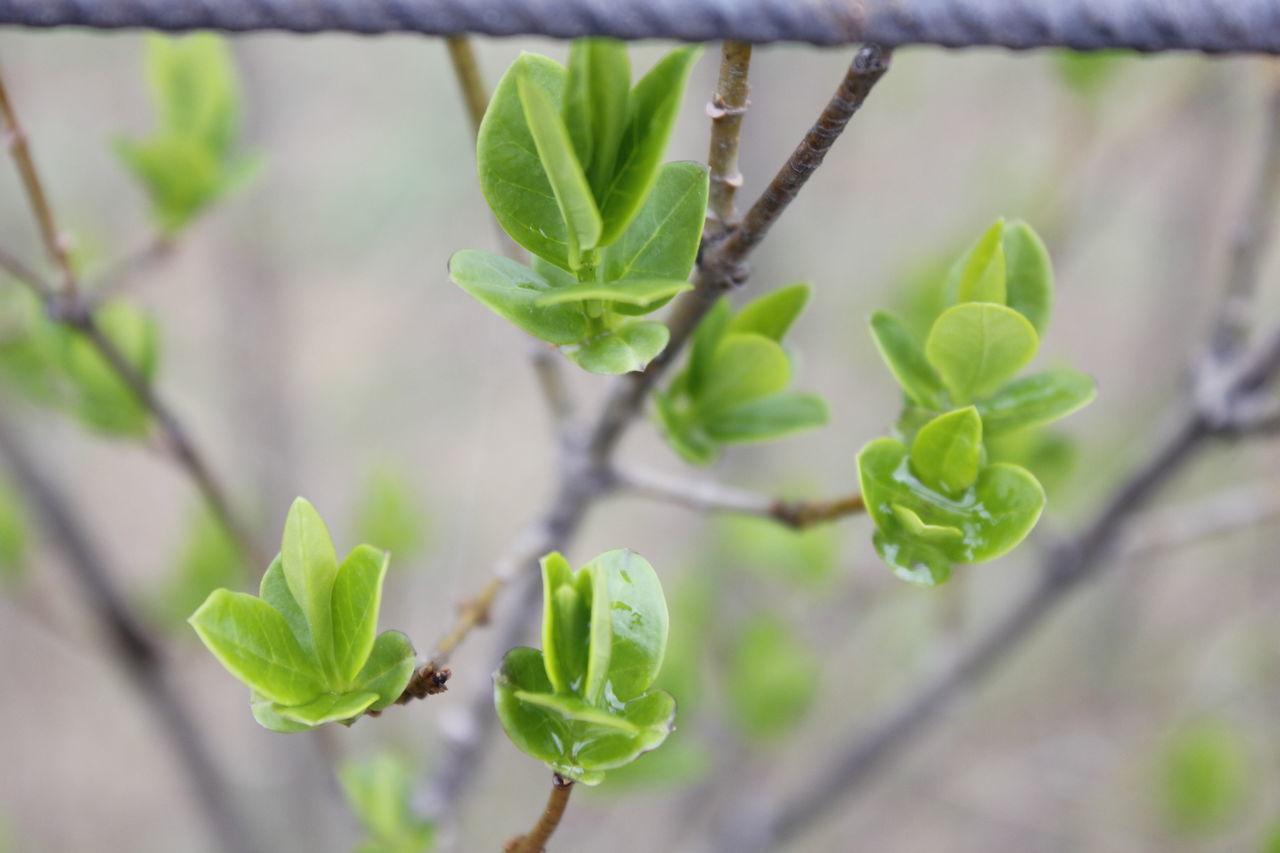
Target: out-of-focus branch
x,y
1207,518
17,268
124,273
709,496
1223,407
129,641
66,304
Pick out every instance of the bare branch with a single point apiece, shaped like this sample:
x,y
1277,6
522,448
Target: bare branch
x,y
709,496
536,840
728,104
1206,518
124,273
67,305
130,643
15,267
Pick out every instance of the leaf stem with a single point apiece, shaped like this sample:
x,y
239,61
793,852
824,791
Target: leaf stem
x,y
536,840
66,305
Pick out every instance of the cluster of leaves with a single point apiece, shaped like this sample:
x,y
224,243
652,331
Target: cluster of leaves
x,y
734,387
308,648
189,161
934,495
584,703
570,162
56,365
379,790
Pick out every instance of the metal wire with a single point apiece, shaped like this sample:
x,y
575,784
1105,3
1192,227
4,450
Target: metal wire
x,y
1213,26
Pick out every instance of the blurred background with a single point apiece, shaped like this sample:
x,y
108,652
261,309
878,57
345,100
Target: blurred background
x,y
310,336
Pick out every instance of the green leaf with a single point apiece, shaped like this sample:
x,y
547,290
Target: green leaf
x,y
310,568
573,709
388,669
390,514
511,174
662,240
706,339
254,643
511,290
947,452
622,350
773,313
976,346
595,104
643,293
209,559
768,418
1205,776
905,359
634,636
327,708
1089,74
1029,275
765,547
981,274
564,172
745,367
357,597
651,114
379,791
933,534
13,534
274,589
264,712
772,679
685,437
1037,399
566,617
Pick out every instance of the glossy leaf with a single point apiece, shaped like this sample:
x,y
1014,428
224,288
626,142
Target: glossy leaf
x,y
253,641
982,273
976,346
773,313
595,104
744,368
906,359
566,619
564,173
627,648
356,599
772,679
511,174
662,240
621,350
651,114
947,451
1037,399
643,293
768,418
1029,275
511,290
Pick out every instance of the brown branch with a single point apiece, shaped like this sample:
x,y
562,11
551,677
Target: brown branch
x,y
536,840
708,496
467,70
728,104
17,268
67,305
130,643
127,270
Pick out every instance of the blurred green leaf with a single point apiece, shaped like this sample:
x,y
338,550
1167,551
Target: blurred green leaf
x,y
772,679
1029,275
981,276
905,359
1204,776
773,313
390,515
209,559
763,546
621,350
1036,400
1089,74
767,418
379,791
13,534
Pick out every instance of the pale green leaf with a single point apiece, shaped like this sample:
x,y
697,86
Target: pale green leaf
x,y
1035,400
947,451
976,346
310,567
357,597
643,293
511,290
744,367
622,350
906,359
388,669
767,418
773,313
662,241
327,708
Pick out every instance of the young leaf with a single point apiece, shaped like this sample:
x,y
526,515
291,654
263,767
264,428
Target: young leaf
x,y
390,513
379,790
388,669
772,679
511,290
982,274
565,619
905,359
564,172
595,104
635,613
767,418
622,350
511,174
662,240
209,559
684,435
327,708
13,533
1034,400
706,339
975,346
745,367
649,294
310,567
357,597
274,590
254,643
651,114
1029,275
1205,776
947,451
773,313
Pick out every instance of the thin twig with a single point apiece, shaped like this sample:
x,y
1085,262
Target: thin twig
x,y
127,270
727,106
67,305
17,268
536,839
709,496
467,70
130,643
1209,517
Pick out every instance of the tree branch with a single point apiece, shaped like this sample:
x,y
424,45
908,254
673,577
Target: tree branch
x,y
709,496
536,840
727,106
66,304
130,643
